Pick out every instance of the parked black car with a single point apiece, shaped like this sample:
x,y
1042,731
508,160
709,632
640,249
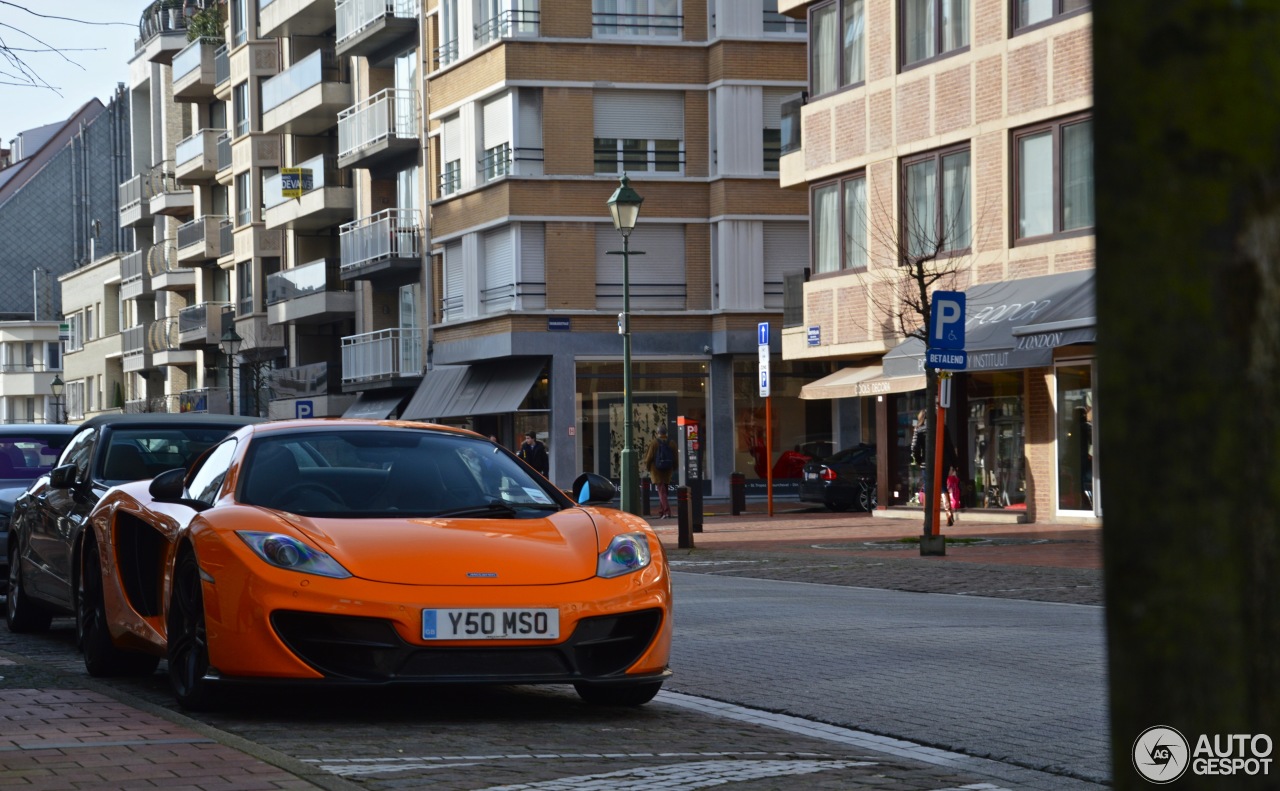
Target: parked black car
x,y
27,451
43,542
843,480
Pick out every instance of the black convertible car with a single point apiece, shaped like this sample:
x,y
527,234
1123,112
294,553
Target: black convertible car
x,y
43,542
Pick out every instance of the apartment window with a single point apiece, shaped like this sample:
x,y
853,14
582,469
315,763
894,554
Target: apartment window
x,y
772,149
495,117
639,131
240,102
239,21
780,23
451,156
771,100
636,18
838,211
836,45
936,204
451,177
75,338
90,326
244,205
932,28
244,287
1053,174
447,52
1029,13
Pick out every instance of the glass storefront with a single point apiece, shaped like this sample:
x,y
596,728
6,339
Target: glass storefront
x,y
533,414
1077,466
660,393
801,429
907,470
997,475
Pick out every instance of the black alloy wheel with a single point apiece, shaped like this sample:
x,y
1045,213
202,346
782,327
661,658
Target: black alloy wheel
x,y
21,612
101,656
636,694
188,640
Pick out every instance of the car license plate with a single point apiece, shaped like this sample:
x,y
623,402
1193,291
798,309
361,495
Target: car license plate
x,y
811,476
491,624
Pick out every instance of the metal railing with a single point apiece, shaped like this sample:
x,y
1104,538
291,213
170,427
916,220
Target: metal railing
x,y
310,278
391,233
224,151
644,296
163,259
162,335
135,191
200,230
133,265
165,16
195,318
450,179
495,163
381,355
319,66
226,236
221,65
445,54
190,148
133,340
667,25
508,24
354,16
389,113
163,181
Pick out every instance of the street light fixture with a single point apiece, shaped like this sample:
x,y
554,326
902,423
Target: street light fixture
x,y
56,387
624,205
231,341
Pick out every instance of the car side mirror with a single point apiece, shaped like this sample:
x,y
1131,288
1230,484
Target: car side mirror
x,y
592,489
63,477
169,487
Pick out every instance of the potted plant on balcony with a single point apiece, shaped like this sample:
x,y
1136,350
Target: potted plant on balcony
x,y
206,23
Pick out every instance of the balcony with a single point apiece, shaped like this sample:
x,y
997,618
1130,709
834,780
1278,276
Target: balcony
x,y
252,61
166,273
161,403
256,150
330,201
307,391
511,23
227,239
162,29
309,294
221,66
208,400
262,340
135,278
162,339
280,18
135,201
376,29
255,241
305,98
199,240
196,157
168,197
136,353
194,75
201,325
386,246
384,355
381,131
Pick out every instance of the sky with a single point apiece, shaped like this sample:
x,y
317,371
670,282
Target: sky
x,y
96,57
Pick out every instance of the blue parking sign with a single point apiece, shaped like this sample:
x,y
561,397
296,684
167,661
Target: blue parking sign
x,y
946,320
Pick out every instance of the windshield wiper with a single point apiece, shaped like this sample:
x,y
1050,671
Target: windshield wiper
x,y
497,508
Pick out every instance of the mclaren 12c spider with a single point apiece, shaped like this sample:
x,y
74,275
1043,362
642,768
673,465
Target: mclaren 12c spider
x,y
357,552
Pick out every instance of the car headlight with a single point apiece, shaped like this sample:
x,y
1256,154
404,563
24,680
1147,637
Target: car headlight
x,y
287,552
626,553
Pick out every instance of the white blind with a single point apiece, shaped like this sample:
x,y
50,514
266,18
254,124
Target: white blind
x,y
773,106
530,113
657,278
451,139
453,280
533,266
639,115
496,118
786,251
498,290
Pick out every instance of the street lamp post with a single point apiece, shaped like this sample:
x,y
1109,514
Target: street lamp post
x,y
231,341
624,205
56,387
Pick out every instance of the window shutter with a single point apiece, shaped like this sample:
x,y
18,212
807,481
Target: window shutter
x,y
451,139
639,115
786,251
533,266
453,281
496,118
497,292
773,106
657,278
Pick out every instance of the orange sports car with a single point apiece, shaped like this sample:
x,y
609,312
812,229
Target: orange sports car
x,y
358,552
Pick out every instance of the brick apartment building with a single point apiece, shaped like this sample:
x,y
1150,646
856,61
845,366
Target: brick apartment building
x,y
956,132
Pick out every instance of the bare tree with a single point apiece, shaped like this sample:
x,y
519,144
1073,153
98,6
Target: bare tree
x,y
15,70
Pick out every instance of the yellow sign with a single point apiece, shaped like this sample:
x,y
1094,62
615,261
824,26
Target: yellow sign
x,y
295,181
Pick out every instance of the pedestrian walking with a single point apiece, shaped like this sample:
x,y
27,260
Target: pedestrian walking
x,y
660,461
534,453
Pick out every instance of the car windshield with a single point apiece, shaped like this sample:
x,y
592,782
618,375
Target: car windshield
x,y
391,472
28,457
138,454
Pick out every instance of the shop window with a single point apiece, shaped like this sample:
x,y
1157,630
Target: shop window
x,y
996,443
1077,465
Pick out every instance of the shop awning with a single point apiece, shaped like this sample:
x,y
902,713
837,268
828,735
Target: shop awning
x,y
449,391
374,406
1015,324
866,380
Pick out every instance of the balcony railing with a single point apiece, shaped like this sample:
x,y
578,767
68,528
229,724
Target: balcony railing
x,y
657,25
227,236
135,191
224,151
307,73
388,113
324,173
165,16
312,278
495,163
508,24
162,335
188,60
221,65
356,15
133,340
193,147
199,230
195,318
791,107
450,179
446,53
391,233
133,266
384,354
163,259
